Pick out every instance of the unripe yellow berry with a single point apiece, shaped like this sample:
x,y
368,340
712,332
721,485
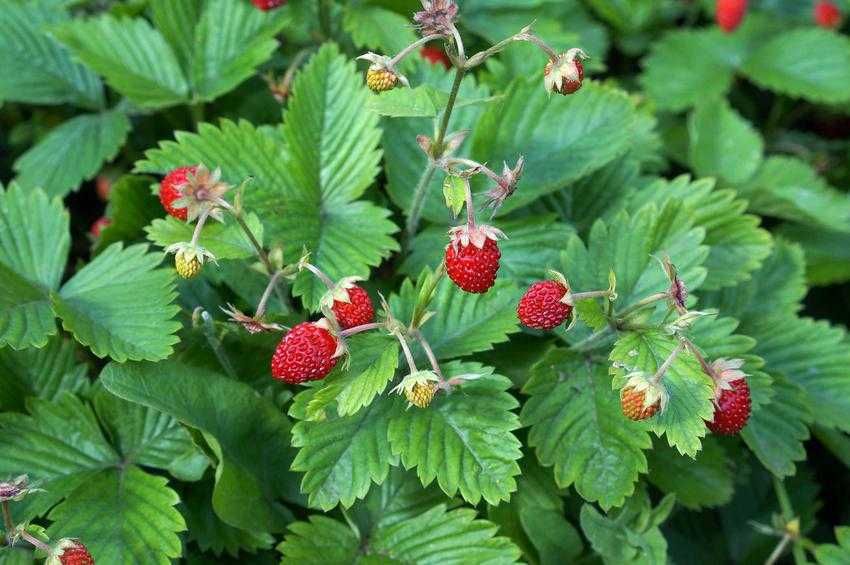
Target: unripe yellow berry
x,y
421,395
380,80
187,268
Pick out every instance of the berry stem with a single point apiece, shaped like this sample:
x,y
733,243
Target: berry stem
x,y
7,521
482,56
429,353
777,551
202,219
407,354
473,165
659,374
788,516
361,328
590,294
639,305
264,299
530,37
461,53
326,280
35,542
470,207
410,48
696,353
215,344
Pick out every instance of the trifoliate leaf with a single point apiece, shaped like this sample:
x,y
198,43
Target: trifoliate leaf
x,y
224,240
142,522
210,532
624,537
34,242
690,390
722,143
132,56
831,554
231,40
577,426
788,188
689,66
404,159
44,373
251,476
707,480
532,247
464,438
563,138
463,323
72,152
373,361
822,77
776,432
434,537
342,456
176,21
737,245
37,69
119,305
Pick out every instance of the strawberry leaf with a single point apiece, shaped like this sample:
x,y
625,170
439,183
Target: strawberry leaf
x,y
131,55
376,28
464,439
832,554
120,305
34,243
432,537
625,536
342,456
72,152
722,143
252,475
691,390
577,427
37,69
224,240
707,480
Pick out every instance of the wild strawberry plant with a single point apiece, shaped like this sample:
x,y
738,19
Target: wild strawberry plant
x,y
470,283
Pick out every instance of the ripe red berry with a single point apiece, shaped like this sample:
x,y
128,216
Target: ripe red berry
x,y
435,55
827,14
306,353
730,13
98,225
357,311
266,5
541,308
169,190
75,553
473,268
633,404
731,408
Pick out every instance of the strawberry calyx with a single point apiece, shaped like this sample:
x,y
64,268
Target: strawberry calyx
x,y
476,235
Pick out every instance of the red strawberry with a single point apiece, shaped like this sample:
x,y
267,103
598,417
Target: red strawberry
x,y
731,409
541,308
730,13
307,353
266,5
472,257
435,55
169,190
633,404
103,186
827,14
357,311
98,225
72,552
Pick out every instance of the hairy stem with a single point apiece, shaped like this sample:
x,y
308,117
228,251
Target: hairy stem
x,y
264,299
215,345
590,294
326,280
777,551
411,364
702,361
35,542
432,359
659,374
410,48
470,207
639,305
202,219
361,328
7,521
491,174
788,516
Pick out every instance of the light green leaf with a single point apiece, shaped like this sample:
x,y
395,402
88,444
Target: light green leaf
x,y
707,480
827,252
132,56
435,537
723,144
831,554
373,361
120,305
44,373
378,29
823,78
72,152
691,390
788,188
625,537
577,426
142,522
231,40
563,138
418,102
36,68
342,456
34,242
224,240
776,432
454,192
463,323
251,476
464,438
534,244
176,21
689,66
